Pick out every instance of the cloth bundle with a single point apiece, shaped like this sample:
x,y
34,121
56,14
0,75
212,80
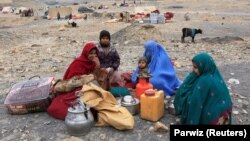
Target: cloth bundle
x,y
109,113
62,86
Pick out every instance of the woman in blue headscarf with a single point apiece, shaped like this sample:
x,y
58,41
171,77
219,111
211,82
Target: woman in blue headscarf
x,y
160,66
203,98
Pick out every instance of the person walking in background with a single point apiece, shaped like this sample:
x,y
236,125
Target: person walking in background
x,y
203,98
70,16
160,66
58,16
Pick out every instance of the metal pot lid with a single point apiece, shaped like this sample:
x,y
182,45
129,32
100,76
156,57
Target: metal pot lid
x,y
78,108
129,102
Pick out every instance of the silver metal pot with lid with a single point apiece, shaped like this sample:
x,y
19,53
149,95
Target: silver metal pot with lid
x,y
131,103
79,119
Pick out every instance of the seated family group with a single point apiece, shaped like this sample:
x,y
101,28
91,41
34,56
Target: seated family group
x,y
202,98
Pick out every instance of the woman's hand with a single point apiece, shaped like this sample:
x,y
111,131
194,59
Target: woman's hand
x,y
97,62
110,70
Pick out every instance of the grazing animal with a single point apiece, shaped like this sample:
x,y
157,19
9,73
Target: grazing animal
x,y
189,32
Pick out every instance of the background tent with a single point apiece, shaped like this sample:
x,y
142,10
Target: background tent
x,y
64,11
6,10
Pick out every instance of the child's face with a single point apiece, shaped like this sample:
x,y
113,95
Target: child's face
x,y
105,41
92,54
142,64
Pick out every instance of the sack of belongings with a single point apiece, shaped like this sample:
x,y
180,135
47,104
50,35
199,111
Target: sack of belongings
x,y
109,112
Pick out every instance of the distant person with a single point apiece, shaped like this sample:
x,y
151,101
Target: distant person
x,y
186,17
122,17
85,17
109,58
58,16
124,4
70,16
86,63
203,98
160,66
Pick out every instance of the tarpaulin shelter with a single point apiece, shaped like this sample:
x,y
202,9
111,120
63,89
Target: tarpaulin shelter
x,y
6,10
20,10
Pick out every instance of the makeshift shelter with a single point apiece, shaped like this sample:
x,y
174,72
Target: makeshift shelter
x,y
20,10
6,10
64,11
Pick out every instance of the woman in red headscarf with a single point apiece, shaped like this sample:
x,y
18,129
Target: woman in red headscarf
x,y
87,63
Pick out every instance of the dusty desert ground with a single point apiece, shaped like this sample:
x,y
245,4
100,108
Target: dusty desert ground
x,y
36,46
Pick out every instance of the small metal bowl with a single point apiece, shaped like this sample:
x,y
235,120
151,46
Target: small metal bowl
x,y
133,106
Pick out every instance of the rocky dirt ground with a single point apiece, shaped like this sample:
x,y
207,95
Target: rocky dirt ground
x,y
35,46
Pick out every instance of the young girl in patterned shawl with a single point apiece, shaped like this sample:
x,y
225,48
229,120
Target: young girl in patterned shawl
x,y
160,66
203,98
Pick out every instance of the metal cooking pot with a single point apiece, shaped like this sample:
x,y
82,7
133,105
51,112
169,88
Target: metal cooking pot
x,y
131,103
79,119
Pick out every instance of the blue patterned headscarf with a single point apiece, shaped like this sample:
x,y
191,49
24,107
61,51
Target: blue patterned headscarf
x,y
160,66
